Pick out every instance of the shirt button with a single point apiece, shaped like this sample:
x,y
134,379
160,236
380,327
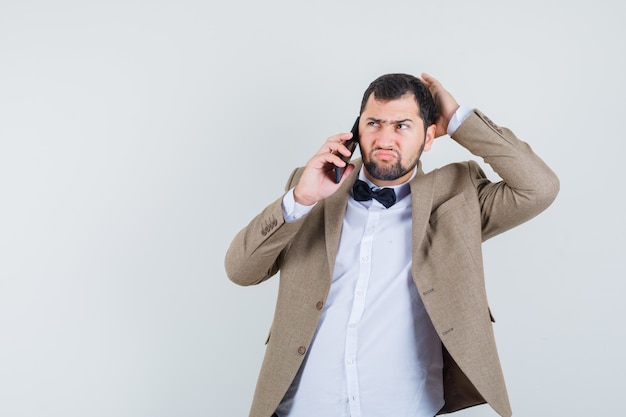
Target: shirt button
x,y
319,305
365,258
301,350
360,293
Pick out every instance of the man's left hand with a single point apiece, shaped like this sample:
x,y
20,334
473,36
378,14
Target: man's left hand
x,y
445,101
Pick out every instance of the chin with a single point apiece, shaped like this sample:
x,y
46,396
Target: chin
x,y
384,173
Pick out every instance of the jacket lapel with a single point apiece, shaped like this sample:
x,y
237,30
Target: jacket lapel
x,y
334,211
422,188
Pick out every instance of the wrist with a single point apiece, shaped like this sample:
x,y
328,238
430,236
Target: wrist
x,y
302,198
458,117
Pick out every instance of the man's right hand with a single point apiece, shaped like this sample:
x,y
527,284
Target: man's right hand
x,y
317,181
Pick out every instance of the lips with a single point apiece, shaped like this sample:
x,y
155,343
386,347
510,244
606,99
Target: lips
x,y
384,154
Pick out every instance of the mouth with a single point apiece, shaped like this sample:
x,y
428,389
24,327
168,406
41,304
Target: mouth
x,y
384,154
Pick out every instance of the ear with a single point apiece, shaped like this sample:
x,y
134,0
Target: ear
x,y
430,137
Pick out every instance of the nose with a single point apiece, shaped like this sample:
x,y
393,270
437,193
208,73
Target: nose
x,y
385,138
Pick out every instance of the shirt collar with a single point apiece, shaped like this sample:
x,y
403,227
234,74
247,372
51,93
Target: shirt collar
x,y
402,190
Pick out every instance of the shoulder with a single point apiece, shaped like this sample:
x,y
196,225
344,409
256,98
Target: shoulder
x,y
455,179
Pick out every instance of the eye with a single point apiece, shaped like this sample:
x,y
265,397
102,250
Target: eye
x,y
402,126
373,124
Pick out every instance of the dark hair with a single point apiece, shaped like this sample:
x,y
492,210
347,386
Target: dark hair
x,y
393,86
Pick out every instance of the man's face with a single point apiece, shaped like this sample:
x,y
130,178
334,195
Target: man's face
x,y
392,139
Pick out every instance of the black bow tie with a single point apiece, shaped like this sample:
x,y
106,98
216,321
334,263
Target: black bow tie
x,y
362,192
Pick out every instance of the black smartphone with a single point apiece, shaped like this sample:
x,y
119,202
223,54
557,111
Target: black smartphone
x,y
351,145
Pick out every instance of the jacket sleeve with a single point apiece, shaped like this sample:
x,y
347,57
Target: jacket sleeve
x,y
254,254
528,185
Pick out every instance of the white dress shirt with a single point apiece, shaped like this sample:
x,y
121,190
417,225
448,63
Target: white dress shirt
x,y
375,352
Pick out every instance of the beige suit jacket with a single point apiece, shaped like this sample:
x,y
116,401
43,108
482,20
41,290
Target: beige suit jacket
x,y
455,208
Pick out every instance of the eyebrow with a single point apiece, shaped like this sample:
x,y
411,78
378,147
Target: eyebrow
x,y
393,122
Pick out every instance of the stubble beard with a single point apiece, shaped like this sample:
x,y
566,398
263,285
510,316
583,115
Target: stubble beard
x,y
388,171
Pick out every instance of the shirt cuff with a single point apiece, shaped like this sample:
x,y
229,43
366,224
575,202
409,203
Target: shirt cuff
x,y
293,211
459,117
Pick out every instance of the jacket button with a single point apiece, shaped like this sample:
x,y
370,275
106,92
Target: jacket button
x,y
302,350
447,331
319,305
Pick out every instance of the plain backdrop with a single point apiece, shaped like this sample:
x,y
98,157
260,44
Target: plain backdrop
x,y
137,137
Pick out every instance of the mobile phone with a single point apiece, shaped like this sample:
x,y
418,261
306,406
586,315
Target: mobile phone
x,y
351,145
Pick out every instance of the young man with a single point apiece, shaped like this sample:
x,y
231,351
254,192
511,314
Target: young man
x,y
382,308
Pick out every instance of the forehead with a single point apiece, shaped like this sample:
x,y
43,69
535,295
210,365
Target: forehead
x,y
405,106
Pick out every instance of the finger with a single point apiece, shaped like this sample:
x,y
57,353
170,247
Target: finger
x,y
328,148
335,144
331,152
429,79
346,173
342,137
323,161
433,85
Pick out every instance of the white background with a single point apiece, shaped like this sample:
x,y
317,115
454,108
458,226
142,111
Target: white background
x,y
137,137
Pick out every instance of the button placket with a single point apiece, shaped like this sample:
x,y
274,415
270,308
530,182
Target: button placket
x,y
358,306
